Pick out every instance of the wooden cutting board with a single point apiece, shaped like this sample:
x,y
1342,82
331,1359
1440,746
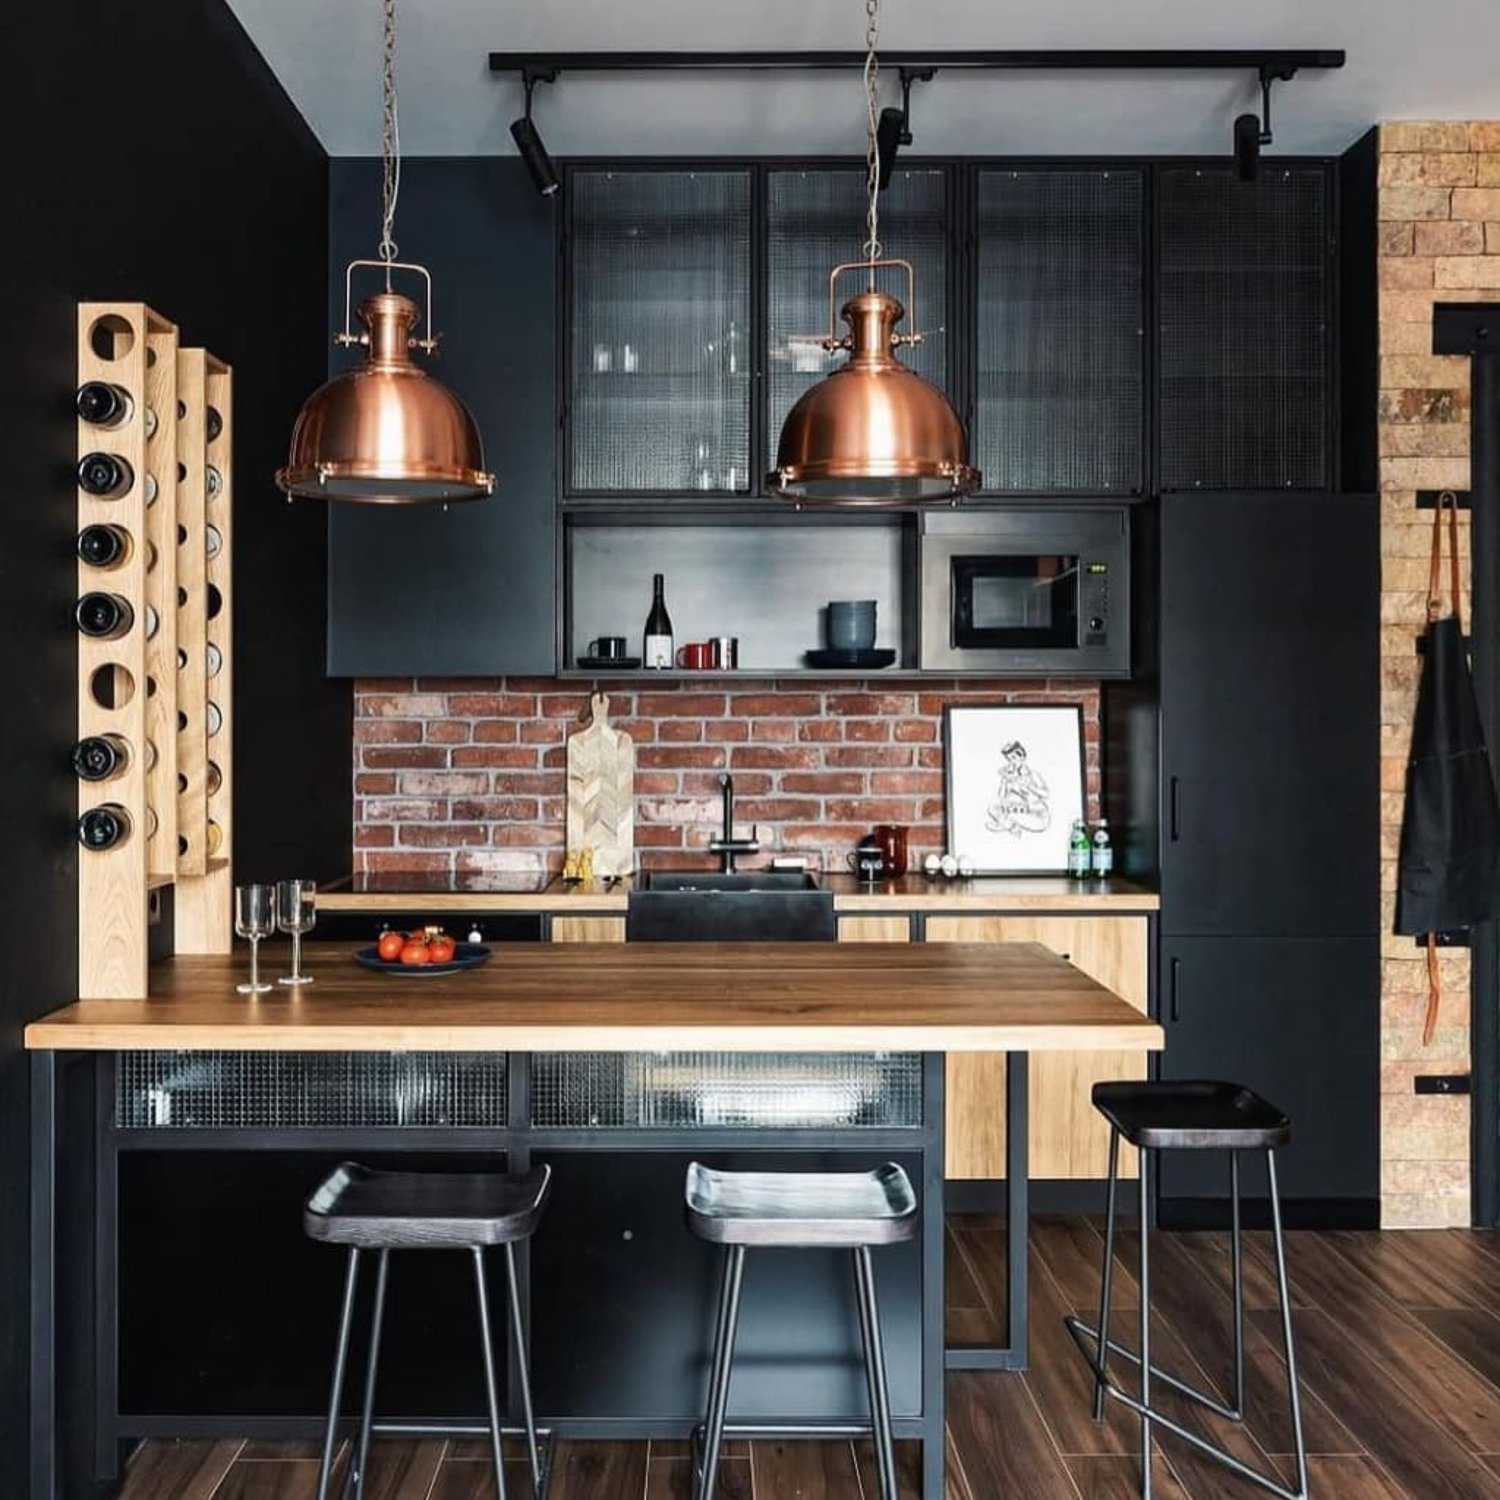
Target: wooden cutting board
x,y
601,793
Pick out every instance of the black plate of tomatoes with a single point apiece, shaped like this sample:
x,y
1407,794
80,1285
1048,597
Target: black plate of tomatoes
x,y
427,951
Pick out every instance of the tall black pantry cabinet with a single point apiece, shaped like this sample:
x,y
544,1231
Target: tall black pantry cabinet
x,y
1263,799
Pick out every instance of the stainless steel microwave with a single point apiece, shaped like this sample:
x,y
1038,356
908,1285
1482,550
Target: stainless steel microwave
x,y
1027,592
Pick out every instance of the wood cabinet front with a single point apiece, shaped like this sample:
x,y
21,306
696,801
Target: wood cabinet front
x,y
1068,1139
588,929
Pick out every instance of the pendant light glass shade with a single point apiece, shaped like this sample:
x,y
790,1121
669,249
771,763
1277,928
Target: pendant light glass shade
x,y
386,433
872,432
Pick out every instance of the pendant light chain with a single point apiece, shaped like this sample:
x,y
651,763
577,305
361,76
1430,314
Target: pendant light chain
x,y
872,149
390,144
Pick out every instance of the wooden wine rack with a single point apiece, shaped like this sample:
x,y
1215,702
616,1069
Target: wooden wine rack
x,y
150,685
202,907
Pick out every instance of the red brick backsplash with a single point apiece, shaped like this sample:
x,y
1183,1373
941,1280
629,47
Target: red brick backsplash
x,y
467,775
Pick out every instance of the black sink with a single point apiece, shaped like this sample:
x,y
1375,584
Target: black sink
x,y
684,881
688,906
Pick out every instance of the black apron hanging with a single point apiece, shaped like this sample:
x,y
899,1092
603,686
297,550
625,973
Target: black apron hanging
x,y
1449,868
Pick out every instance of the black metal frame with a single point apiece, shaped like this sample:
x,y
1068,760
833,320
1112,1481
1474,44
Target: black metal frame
x,y
1150,59
1096,1346
1473,329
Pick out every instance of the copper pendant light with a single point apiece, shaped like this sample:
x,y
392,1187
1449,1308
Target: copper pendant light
x,y
872,432
386,432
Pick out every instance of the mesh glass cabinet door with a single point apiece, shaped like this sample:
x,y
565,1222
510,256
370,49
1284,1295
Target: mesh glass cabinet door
x,y
1244,283
659,332
815,221
1060,372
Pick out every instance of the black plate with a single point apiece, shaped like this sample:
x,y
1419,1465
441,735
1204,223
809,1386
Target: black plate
x,y
609,663
467,956
880,656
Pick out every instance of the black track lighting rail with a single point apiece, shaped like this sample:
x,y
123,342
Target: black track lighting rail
x,y
538,64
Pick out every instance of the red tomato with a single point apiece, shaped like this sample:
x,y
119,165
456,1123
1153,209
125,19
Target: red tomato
x,y
442,948
415,953
390,945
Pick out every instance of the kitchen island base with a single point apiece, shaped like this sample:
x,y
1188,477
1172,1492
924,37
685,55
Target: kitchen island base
x,y
168,1192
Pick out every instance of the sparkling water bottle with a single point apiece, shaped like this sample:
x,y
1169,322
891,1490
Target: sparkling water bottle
x,y
1102,860
1078,851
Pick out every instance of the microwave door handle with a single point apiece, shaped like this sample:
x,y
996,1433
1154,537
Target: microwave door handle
x,y
1174,808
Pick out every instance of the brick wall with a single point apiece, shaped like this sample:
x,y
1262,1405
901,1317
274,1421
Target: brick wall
x,y
469,775
1439,241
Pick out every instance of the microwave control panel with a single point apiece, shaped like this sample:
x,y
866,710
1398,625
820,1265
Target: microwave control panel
x,y
1094,602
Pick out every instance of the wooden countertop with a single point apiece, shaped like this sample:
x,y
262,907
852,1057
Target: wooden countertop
x,y
637,997
910,893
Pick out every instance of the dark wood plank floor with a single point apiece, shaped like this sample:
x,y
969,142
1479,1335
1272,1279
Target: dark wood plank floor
x,y
1398,1337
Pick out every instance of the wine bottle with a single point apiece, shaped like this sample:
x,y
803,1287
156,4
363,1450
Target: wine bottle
x,y
100,757
103,405
102,546
104,617
215,778
106,476
657,651
104,827
215,838
213,423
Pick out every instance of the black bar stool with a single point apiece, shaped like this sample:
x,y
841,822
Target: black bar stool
x,y
787,1210
1190,1116
367,1209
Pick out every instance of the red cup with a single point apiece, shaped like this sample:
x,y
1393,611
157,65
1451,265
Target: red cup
x,y
696,656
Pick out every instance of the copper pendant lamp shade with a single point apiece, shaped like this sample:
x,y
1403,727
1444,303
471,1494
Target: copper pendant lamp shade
x,y
386,432
872,432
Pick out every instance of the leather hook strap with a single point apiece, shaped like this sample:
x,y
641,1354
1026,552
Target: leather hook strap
x,y
1448,502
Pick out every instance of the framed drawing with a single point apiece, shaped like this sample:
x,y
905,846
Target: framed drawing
x,y
1014,785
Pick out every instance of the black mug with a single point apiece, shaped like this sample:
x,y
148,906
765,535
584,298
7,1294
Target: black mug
x,y
608,648
868,860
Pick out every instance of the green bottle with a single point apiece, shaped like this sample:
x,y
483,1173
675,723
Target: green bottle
x,y
1079,850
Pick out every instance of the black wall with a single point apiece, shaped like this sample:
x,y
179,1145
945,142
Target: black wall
x,y
150,157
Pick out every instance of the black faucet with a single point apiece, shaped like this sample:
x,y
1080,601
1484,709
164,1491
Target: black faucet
x,y
726,845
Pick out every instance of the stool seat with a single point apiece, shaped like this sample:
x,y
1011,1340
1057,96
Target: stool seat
x,y
1173,1115
801,1208
377,1210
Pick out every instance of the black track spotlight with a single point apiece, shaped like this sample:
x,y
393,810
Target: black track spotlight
x,y
529,141
890,135
894,128
1247,147
1251,132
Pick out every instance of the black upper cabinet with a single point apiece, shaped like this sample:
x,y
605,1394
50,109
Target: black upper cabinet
x,y
659,332
815,220
1245,343
470,589
1059,286
1269,679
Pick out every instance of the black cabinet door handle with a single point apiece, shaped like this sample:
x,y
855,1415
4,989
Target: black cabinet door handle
x,y
1173,800
1173,966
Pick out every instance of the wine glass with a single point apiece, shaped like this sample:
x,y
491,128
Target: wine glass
x,y
254,918
296,913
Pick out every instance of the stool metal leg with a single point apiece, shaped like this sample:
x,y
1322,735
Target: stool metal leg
x,y
1107,1280
718,1380
340,1361
1237,1401
372,1365
1288,1351
491,1389
523,1371
880,1404
1145,1231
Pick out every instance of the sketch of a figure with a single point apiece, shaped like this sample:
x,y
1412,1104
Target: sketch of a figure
x,y
1023,801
